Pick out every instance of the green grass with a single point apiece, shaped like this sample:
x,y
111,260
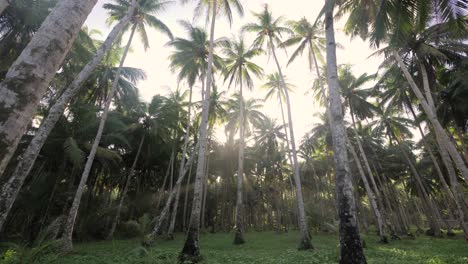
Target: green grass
x,y
268,248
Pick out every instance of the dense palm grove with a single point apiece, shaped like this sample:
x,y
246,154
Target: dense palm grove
x,y
84,157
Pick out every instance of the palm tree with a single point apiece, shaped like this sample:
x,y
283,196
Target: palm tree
x,y
190,60
11,189
403,27
274,88
143,128
269,32
356,100
31,73
239,69
309,38
396,128
20,21
142,16
351,246
191,55
191,249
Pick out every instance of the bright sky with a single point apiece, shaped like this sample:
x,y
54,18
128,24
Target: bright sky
x,y
156,65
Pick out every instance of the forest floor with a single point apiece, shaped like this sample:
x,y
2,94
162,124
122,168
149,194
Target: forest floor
x,y
268,247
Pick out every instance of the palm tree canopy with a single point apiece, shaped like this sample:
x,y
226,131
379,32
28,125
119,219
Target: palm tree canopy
x,y
190,57
307,37
225,7
145,14
269,29
239,66
274,86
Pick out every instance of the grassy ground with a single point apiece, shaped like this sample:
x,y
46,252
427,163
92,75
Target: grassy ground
x,y
268,248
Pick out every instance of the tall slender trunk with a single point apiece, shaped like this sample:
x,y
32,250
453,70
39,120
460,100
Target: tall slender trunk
x,y
168,170
431,211
170,232
370,195
67,240
191,249
239,228
305,242
172,194
431,115
11,189
30,75
351,245
125,190
187,191
205,195
456,193
286,134
3,5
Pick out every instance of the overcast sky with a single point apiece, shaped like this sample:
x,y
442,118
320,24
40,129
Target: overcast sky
x,y
156,64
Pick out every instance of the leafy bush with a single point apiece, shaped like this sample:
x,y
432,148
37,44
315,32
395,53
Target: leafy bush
x,y
130,229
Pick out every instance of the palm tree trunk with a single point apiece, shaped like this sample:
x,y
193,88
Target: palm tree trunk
x,y
444,154
350,240
28,78
162,191
68,244
305,242
456,194
431,115
11,189
191,249
239,228
287,139
432,213
3,5
125,190
370,195
172,194
170,232
187,191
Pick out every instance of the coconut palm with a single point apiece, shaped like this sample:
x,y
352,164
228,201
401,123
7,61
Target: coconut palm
x,y
274,88
351,250
190,59
18,24
269,31
239,69
58,30
142,16
191,249
356,100
308,38
30,154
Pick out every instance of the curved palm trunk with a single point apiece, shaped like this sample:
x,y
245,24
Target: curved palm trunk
x,y
3,5
431,211
191,249
370,195
28,78
239,228
172,194
351,246
170,232
454,192
125,190
444,139
162,190
11,189
68,233
305,242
